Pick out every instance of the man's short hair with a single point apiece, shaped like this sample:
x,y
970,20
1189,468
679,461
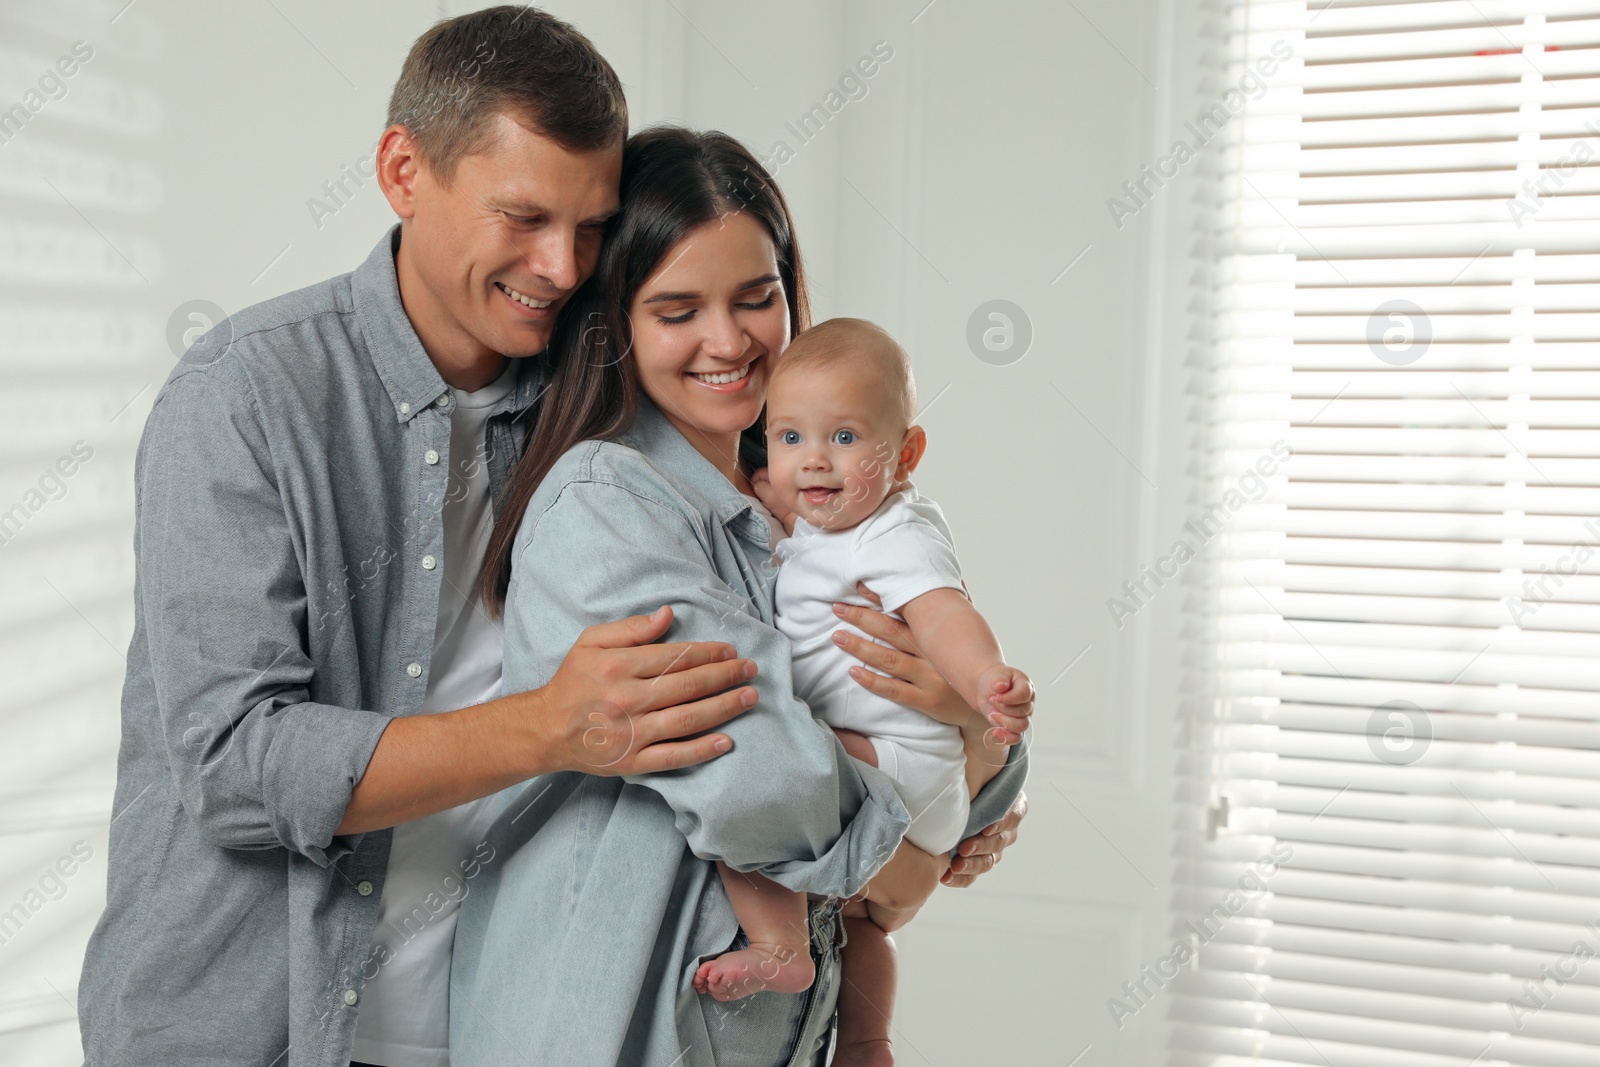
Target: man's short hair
x,y
510,59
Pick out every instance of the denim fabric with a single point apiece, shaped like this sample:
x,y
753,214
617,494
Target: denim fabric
x,y
284,502
581,941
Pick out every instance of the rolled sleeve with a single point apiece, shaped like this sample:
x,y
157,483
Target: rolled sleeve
x,y
786,801
256,762
994,800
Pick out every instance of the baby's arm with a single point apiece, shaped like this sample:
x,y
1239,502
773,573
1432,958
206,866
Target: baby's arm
x,y
956,639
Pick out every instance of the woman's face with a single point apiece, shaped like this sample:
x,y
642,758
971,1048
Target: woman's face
x,y
708,324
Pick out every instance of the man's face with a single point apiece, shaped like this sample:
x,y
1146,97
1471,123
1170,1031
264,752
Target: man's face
x,y
502,244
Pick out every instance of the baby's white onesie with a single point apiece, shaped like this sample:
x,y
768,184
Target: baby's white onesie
x,y
901,550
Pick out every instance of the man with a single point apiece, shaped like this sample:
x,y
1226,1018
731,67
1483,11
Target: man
x,y
312,733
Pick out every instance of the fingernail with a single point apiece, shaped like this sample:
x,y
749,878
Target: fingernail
x,y
750,668
838,637
748,698
838,608
722,744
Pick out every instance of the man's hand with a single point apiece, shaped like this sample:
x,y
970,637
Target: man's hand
x,y
621,705
612,708
980,852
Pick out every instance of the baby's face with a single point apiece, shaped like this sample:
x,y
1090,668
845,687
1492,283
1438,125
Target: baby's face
x,y
833,442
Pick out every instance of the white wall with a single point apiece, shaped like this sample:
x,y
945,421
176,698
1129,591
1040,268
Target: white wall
x,y
975,168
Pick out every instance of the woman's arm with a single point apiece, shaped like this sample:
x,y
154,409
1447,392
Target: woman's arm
x,y
784,801
898,891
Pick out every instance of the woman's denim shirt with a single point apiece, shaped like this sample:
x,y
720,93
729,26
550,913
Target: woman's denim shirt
x,y
578,940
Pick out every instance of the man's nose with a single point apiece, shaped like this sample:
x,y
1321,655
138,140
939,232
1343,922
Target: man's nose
x,y
555,259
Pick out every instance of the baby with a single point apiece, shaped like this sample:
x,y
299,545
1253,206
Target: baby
x,y
841,443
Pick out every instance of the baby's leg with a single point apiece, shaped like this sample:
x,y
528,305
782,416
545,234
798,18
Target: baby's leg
x,y
779,956
866,997
857,745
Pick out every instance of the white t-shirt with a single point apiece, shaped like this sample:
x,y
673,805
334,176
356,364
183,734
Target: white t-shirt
x,y
901,551
404,1018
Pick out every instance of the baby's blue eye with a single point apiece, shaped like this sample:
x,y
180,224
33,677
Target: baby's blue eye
x,y
844,437
790,437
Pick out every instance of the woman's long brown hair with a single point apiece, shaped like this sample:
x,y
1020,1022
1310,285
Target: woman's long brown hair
x,y
673,180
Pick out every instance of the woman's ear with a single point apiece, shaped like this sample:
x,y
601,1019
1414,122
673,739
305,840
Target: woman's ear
x,y
912,446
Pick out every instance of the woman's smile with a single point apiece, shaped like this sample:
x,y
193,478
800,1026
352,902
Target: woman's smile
x,y
731,381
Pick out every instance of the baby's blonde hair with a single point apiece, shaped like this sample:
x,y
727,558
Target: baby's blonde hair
x,y
857,340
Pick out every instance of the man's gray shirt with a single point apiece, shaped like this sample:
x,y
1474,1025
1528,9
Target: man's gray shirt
x,y
289,492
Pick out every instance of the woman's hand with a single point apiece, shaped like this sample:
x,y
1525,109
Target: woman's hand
x,y
906,678
898,891
980,852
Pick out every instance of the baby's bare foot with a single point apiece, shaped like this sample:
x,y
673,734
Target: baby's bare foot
x,y
876,1052
734,975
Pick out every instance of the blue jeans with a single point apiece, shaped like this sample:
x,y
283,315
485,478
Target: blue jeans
x,y
808,1016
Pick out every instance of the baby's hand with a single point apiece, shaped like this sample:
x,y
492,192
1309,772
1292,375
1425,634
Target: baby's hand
x,y
762,485
1006,700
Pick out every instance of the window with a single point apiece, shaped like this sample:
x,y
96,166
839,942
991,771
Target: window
x,y
1394,744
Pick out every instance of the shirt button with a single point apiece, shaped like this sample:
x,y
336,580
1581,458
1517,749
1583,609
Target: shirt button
x,y
364,888
444,401
430,457
428,563
350,997
414,669
405,409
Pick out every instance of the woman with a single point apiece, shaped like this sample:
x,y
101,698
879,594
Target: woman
x,y
580,940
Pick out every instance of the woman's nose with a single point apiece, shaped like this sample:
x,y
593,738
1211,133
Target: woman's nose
x,y
724,339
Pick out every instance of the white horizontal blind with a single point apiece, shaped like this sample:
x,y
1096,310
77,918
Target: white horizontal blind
x,y
1397,634
82,354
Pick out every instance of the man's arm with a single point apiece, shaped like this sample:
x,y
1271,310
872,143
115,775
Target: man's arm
x,y
427,763
256,761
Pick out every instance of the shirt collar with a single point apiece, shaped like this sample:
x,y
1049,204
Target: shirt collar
x,y
653,434
397,354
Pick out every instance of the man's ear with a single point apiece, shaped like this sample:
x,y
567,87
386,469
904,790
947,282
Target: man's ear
x,y
912,446
398,166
